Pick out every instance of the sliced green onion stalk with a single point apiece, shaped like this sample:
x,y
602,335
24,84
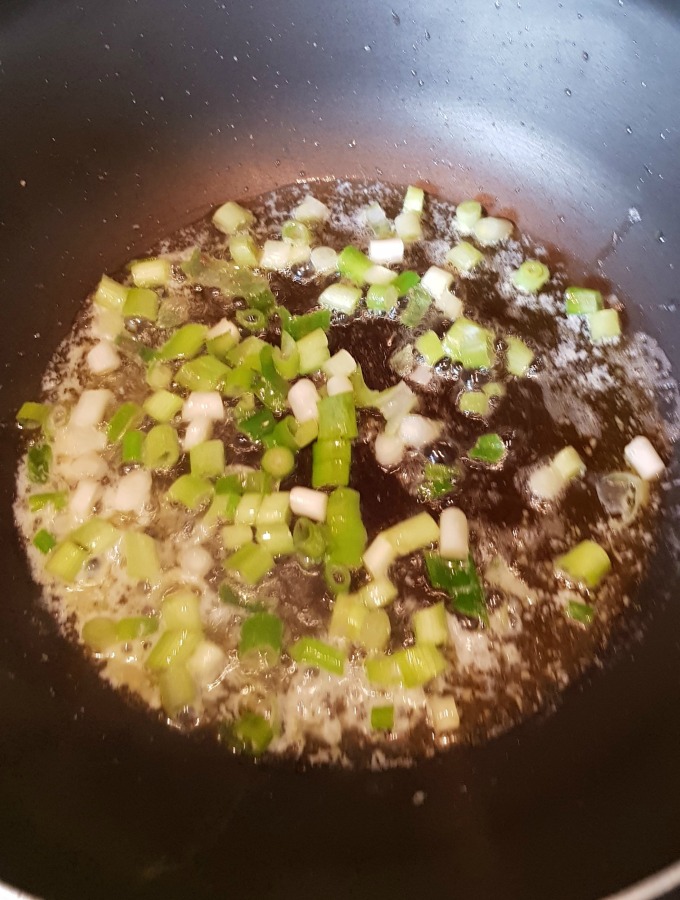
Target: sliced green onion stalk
x,y
439,479
382,718
474,403
248,508
459,579
110,294
429,625
177,689
420,664
44,541
519,356
236,536
375,631
207,459
128,416
258,426
274,509
378,593
337,418
605,326
204,373
337,576
269,387
430,347
489,448
261,639
494,389
163,405
412,534
345,528
331,461
141,303
247,353
583,613
347,618
252,320
464,256
283,434
414,199
382,297
276,538
56,499
185,343
191,491
531,276
39,462
296,232
250,564
470,344
622,495
309,540
132,447
468,213
99,634
151,273
582,301
363,395
383,671
408,226
300,326
172,648
66,561
340,297
222,344
251,733
287,358
309,651
222,509
418,303
231,218
313,350
181,611
402,361
96,536
278,462
353,264
244,251
141,556
160,449
133,628
586,563
443,713
32,415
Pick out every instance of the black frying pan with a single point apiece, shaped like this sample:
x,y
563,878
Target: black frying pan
x,y
121,121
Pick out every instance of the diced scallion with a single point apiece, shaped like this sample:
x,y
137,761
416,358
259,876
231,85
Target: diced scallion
x,y
587,563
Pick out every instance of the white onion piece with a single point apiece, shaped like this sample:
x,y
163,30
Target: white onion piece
x,y
386,251
90,408
491,230
421,375
443,714
339,384
418,431
206,664
76,440
453,534
84,498
132,492
324,260
389,450
641,456
224,326
379,275
450,305
196,560
379,556
303,399
341,363
198,431
436,281
103,358
307,502
276,255
203,405
87,465
311,210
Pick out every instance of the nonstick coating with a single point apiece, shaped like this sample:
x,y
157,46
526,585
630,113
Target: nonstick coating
x,y
122,120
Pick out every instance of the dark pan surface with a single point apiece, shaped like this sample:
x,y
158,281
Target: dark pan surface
x,y
123,121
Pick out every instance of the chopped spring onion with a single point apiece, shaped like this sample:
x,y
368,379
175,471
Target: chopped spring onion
x,y
375,631
313,350
568,463
39,460
251,733
439,479
250,563
163,405
347,618
258,426
587,562
110,294
90,408
99,634
468,213
276,538
402,361
419,664
96,536
519,356
278,461
305,433
177,689
470,344
286,358
429,625
128,415
141,303
274,509
171,648
309,651
345,528
382,297
378,593
408,226
310,503
353,264
296,232
103,358
419,301
44,541
414,199
430,347
382,718
160,449
464,256
151,273
32,415
207,459
331,461
531,276
379,556
235,536
622,494
459,579
184,343
341,363
181,611
491,230
191,491
443,714
244,251
56,499
383,671
386,251
389,450
261,637
605,325
583,613
453,534
488,448
641,456
412,534
338,577
436,282
340,297
131,450
230,218
251,319
66,560
132,628
204,373
309,540
337,418
339,384
303,399
300,326
141,556
248,508
475,403
582,301
311,210
324,260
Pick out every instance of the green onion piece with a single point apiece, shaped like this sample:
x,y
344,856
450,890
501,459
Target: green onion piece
x,y
494,389
377,593
110,294
300,326
306,432
464,256
150,273
468,213
134,348
412,534
419,301
382,718
580,612
347,618
222,344
248,508
309,651
429,625
238,381
160,449
309,540
414,199
184,343
363,395
180,611
283,434
313,350
222,509
204,373
274,509
250,564
177,689
489,448
430,348
44,541
231,218
262,636
132,447
419,664
338,578
258,426
262,298
461,582
439,480
251,319
345,528
276,538
474,403
270,387
286,358
247,353
96,536
470,344
66,560
244,250
331,461
354,264
32,415
132,628
531,276
245,407
39,460
236,536
383,671
404,282
141,303
57,499
519,356
256,481
99,634
163,406
251,733
382,297
582,301
605,325
231,483
337,417
173,647
158,375
141,556
172,312
207,459
296,232
127,416
191,491
587,562
375,631
278,461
